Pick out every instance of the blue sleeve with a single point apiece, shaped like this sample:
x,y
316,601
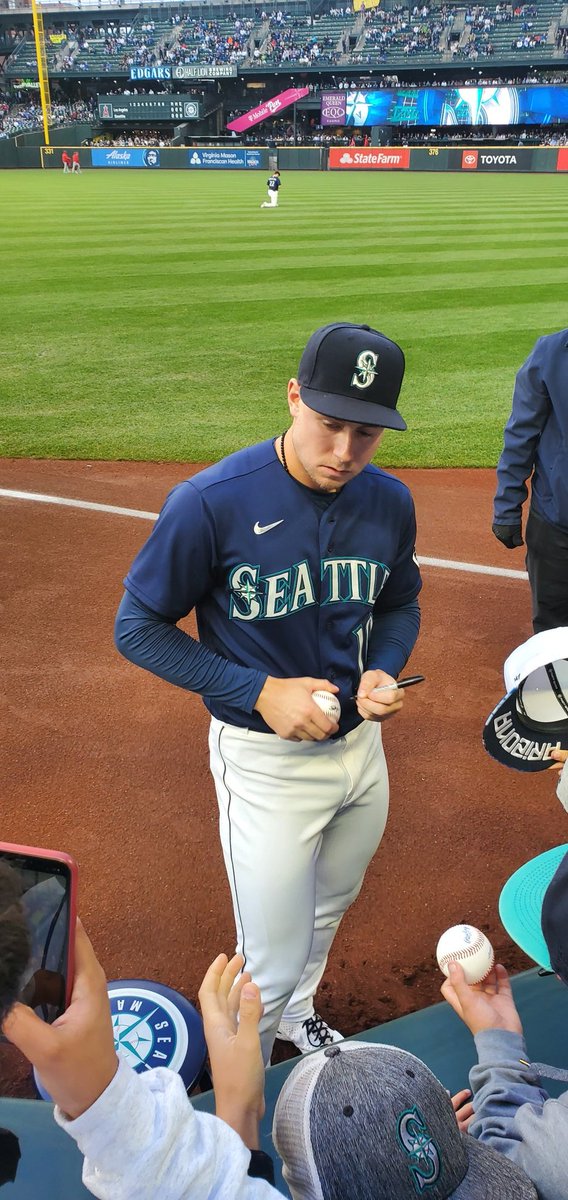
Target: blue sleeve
x,y
530,411
404,581
177,564
151,641
393,637
396,617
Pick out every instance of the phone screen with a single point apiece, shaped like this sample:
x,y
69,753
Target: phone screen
x,y
45,902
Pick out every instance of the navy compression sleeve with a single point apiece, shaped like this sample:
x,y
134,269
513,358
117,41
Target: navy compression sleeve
x,y
393,637
149,640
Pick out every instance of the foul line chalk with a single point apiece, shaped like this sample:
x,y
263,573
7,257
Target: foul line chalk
x,y
444,564
67,503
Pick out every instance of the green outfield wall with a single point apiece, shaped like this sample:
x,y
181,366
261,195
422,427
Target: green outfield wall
x,y
26,151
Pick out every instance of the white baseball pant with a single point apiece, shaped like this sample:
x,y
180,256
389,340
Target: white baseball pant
x,y
299,824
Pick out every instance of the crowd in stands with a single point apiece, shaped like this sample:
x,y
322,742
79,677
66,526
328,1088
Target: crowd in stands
x,y
208,39
23,117
398,28
149,138
292,39
277,37
388,81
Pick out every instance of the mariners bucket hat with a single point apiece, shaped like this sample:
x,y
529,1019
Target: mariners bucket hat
x,y
372,1121
532,719
533,907
354,373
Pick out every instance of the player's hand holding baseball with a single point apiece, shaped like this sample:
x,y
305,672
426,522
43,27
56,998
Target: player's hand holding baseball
x,y
383,704
485,1005
287,707
231,1013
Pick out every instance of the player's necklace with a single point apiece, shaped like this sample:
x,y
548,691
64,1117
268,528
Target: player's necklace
x,y
283,453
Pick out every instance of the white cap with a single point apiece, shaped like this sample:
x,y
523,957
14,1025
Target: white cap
x,y
532,719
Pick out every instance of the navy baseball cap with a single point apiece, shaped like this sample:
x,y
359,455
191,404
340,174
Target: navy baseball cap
x,y
353,373
532,719
533,907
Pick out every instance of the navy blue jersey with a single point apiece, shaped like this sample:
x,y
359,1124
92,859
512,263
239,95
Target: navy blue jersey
x,y
274,183
278,583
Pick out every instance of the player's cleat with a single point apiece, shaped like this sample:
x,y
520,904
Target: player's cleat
x,y
308,1035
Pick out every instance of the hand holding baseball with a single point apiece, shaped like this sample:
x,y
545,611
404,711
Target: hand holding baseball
x,y
373,708
468,946
288,707
486,1005
329,704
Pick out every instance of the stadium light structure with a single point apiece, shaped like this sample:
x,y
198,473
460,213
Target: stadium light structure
x,y
45,98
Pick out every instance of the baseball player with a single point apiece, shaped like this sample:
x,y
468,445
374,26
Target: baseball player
x,y
66,162
76,168
273,185
298,558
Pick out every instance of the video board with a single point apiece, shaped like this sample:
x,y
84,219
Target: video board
x,y
447,106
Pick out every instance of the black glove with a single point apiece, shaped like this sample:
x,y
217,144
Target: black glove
x,y
509,535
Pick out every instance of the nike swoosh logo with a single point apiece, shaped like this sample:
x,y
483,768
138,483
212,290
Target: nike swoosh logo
x,y
264,528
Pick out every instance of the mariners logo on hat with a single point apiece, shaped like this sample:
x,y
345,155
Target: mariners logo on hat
x,y
532,719
353,373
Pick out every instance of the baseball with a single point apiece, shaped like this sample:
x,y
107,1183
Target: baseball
x,y
328,703
468,946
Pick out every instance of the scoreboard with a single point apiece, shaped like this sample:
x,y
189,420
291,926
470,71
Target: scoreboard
x,y
148,108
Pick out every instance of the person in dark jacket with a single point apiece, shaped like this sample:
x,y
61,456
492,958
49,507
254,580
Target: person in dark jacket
x,y
536,445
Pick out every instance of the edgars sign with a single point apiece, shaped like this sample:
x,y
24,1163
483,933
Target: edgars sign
x,y
160,72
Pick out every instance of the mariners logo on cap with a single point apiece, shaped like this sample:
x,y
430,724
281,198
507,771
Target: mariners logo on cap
x,y
422,1151
365,370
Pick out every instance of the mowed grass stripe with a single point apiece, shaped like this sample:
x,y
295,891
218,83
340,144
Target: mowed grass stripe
x,y
164,312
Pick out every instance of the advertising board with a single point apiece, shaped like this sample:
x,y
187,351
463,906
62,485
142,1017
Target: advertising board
x,y
218,158
367,158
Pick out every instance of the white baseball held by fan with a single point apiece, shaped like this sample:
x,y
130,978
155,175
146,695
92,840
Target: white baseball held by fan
x,y
470,948
328,703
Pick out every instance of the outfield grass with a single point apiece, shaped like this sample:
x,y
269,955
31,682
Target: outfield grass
x,y
159,315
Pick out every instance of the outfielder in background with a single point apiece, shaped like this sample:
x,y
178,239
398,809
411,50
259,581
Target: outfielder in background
x,y
273,184
298,558
536,445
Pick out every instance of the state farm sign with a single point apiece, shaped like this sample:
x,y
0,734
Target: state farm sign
x,y
369,158
562,160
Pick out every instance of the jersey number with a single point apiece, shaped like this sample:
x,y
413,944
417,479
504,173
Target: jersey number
x,y
363,634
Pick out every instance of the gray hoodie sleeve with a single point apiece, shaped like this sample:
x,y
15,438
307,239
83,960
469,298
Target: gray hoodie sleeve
x,y
514,1114
142,1139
